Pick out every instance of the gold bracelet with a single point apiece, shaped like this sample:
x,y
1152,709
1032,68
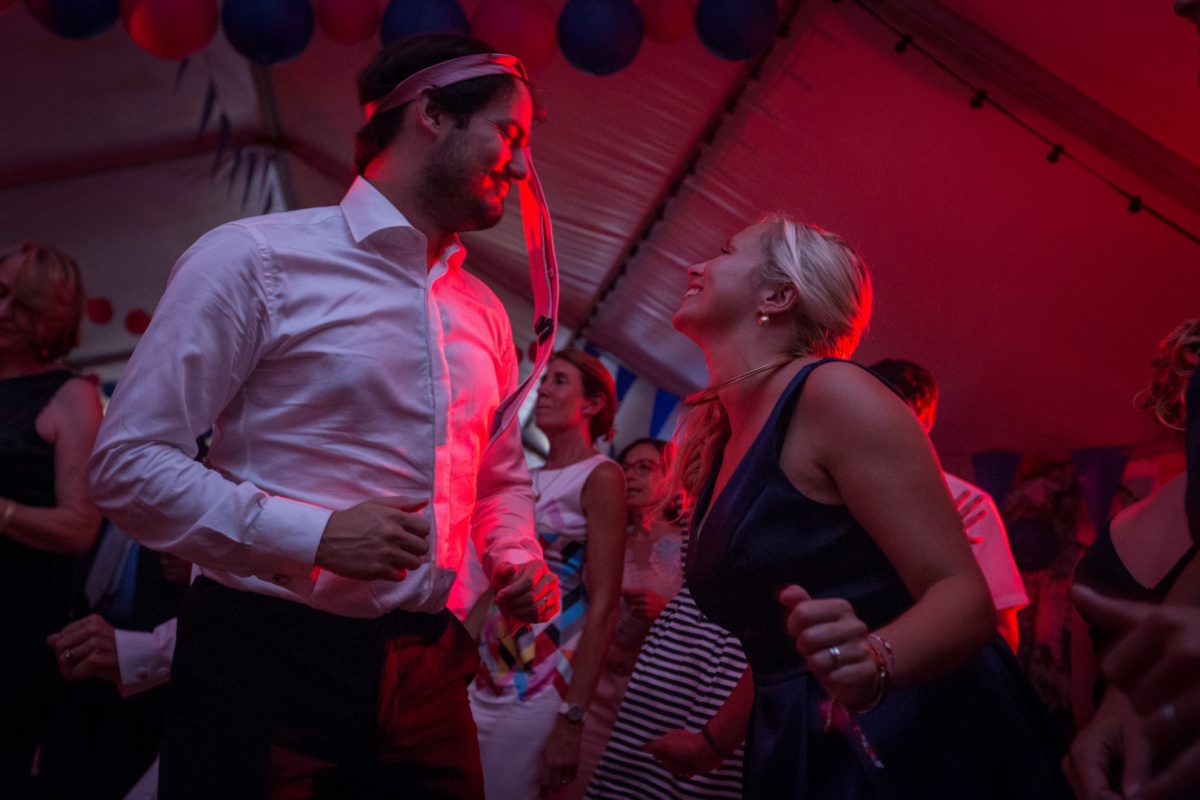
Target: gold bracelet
x,y
883,673
7,516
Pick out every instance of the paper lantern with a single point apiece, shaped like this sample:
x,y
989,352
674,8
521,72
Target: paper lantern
x,y
600,36
268,31
348,21
170,29
407,17
99,310
137,321
75,19
736,29
666,21
522,28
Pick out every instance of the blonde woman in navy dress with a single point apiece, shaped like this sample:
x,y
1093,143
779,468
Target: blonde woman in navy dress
x,y
824,537
534,684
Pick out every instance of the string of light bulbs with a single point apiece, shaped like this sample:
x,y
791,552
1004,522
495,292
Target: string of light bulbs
x,y
1057,152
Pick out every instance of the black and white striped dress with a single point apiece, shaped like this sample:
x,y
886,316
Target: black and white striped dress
x,y
686,670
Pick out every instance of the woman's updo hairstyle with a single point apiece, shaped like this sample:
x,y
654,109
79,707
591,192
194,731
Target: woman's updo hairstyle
x,y
834,287
597,382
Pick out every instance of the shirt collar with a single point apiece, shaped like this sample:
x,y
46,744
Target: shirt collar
x,y
367,212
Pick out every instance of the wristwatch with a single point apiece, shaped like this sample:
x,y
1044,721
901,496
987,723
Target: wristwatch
x,y
572,712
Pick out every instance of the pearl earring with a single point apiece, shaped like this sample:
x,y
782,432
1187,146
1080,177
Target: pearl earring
x,y
764,319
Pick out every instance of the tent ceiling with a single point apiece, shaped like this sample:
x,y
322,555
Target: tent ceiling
x,y
1028,287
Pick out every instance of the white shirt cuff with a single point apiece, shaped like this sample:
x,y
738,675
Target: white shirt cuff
x,y
284,541
145,658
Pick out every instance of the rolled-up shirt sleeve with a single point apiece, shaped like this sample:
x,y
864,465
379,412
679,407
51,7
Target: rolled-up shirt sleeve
x,y
208,333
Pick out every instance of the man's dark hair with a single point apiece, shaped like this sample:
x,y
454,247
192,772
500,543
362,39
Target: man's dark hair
x,y
912,382
406,57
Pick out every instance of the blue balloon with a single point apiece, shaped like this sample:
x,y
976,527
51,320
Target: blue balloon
x,y
268,31
736,29
75,19
600,36
407,17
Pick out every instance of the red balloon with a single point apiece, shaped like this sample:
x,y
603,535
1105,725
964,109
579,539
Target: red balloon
x,y
667,21
137,321
348,21
99,310
526,29
170,29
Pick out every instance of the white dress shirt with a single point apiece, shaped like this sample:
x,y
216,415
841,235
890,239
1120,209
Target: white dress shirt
x,y
989,544
333,367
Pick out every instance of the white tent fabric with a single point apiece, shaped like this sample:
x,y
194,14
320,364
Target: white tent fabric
x,y
1027,286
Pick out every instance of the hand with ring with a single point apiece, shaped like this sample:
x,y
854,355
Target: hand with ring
x,y
833,641
87,648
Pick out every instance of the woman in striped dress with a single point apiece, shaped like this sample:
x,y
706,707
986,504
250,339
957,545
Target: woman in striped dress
x,y
687,669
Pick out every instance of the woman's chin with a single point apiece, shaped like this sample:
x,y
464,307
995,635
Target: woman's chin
x,y
682,321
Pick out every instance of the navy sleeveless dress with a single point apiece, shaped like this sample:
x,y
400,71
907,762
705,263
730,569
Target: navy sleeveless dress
x,y
979,733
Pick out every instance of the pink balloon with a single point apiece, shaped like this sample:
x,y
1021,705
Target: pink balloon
x,y
170,29
348,21
667,21
526,29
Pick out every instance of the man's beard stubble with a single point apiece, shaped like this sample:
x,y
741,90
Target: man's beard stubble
x,y
450,191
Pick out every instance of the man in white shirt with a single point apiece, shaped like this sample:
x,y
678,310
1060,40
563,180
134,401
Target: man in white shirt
x,y
985,528
351,371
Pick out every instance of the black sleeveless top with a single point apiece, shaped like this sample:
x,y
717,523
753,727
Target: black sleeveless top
x,y
35,585
26,460
979,732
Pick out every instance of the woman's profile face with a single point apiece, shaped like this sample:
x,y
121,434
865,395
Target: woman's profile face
x,y
722,290
561,403
645,476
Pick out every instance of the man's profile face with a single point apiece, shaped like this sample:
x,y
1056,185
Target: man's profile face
x,y
469,173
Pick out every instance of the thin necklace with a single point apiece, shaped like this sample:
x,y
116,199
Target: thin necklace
x,y
705,395
538,489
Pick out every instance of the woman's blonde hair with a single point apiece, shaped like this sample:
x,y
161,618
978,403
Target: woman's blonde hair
x,y
834,288
1173,365
49,286
833,310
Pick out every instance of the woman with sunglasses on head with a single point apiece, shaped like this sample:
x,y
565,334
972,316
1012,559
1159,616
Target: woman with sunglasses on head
x,y
535,683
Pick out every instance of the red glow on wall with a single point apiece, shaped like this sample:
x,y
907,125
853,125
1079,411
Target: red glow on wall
x,y
137,321
99,310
